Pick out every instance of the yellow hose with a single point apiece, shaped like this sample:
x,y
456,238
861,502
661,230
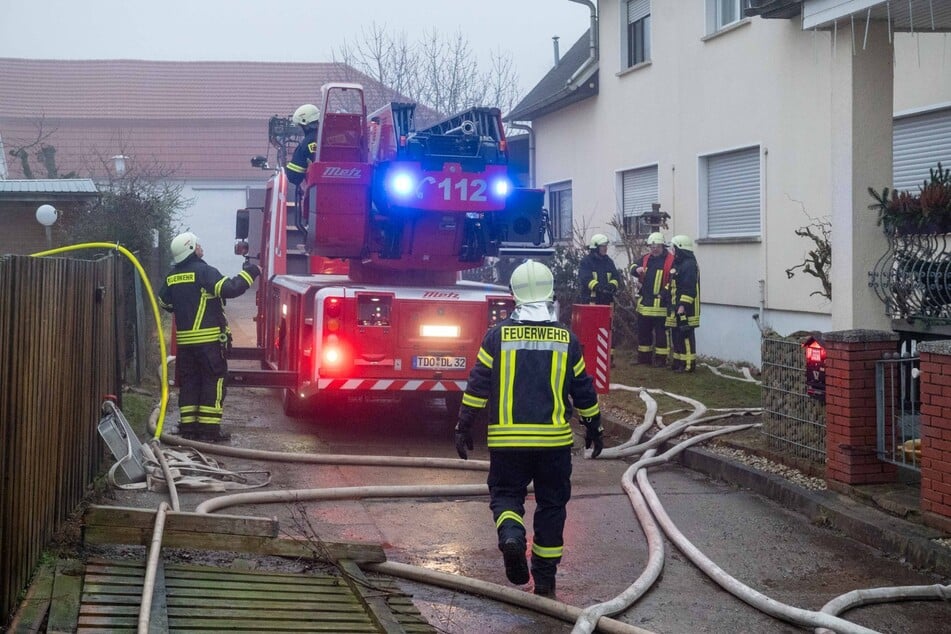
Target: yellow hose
x,y
155,312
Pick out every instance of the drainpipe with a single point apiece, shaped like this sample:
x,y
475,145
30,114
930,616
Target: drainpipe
x,y
531,150
3,160
573,82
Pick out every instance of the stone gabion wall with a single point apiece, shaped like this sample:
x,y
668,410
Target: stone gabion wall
x,y
793,421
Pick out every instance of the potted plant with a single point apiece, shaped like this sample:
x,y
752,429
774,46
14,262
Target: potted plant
x,y
926,212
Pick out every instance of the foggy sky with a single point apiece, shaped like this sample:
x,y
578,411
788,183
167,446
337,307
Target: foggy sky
x,y
214,30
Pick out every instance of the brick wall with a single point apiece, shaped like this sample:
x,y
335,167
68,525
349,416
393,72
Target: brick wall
x,y
936,433
851,454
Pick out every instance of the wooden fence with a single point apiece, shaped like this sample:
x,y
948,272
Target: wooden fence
x,y
60,349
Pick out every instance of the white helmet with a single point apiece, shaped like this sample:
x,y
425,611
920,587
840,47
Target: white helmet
x,y
655,238
532,282
183,245
597,240
682,242
306,115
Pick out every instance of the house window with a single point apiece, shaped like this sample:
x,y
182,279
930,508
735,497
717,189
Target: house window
x,y
638,32
638,193
721,13
559,206
730,194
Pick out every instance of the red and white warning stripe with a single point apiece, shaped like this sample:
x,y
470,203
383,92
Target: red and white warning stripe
x,y
391,385
602,369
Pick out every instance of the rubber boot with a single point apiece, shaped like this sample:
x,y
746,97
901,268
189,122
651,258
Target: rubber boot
x,y
543,573
213,433
516,565
187,431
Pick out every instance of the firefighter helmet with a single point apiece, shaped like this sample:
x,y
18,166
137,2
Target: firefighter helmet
x,y
306,115
532,282
655,238
682,242
598,240
183,245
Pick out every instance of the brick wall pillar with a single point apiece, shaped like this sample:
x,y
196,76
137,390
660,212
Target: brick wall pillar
x,y
851,456
935,383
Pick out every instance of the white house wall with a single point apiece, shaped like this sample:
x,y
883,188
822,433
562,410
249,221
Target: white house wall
x,y
211,217
762,83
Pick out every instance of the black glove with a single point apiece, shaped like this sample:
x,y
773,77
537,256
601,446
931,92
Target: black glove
x,y
464,431
251,268
682,324
463,440
594,434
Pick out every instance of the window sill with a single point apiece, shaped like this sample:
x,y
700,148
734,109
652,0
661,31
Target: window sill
x,y
731,240
727,29
633,69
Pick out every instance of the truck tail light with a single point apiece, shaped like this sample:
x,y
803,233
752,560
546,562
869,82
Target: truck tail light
x,y
333,307
334,356
333,353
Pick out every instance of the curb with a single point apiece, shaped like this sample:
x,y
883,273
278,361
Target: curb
x,y
893,536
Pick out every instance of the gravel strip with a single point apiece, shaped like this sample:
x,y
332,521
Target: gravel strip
x,y
768,466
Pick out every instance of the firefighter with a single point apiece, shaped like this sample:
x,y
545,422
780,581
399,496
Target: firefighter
x,y
530,373
308,118
195,292
597,275
683,316
653,300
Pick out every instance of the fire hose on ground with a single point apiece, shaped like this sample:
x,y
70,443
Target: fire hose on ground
x,y
645,503
635,483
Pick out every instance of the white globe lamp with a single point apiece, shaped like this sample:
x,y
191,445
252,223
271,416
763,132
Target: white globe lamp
x,y
46,215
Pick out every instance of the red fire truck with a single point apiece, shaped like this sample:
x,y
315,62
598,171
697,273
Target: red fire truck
x,y
361,294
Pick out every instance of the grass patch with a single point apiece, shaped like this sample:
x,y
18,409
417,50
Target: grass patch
x,y
701,385
136,408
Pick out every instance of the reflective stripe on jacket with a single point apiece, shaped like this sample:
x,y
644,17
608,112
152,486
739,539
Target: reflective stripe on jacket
x,y
685,291
654,297
530,375
194,291
304,155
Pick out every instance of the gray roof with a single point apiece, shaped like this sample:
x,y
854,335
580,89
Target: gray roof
x,y
60,187
552,93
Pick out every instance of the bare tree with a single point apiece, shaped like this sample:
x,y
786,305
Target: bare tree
x,y
439,71
36,147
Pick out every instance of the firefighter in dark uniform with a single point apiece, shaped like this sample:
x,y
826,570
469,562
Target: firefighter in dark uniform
x,y
653,300
195,292
530,374
683,317
308,118
597,275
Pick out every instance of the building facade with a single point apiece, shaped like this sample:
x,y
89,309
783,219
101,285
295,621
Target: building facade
x,y
746,129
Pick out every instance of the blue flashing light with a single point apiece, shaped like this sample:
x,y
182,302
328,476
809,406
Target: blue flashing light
x,y
402,183
501,187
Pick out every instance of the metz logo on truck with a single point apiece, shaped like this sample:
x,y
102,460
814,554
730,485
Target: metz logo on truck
x,y
441,295
333,171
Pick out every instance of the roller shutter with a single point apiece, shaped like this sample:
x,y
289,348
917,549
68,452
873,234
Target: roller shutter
x,y
919,142
733,193
639,190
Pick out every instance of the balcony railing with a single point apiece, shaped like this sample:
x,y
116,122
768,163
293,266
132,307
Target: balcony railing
x,y
913,280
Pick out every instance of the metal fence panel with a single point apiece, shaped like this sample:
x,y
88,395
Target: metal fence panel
x,y
58,359
897,409
793,422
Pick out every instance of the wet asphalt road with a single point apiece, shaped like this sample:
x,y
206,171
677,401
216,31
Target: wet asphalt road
x,y
777,552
